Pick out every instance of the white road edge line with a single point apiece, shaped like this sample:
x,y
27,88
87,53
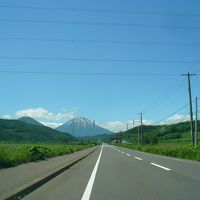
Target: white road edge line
x,y
88,190
122,152
165,168
138,158
128,154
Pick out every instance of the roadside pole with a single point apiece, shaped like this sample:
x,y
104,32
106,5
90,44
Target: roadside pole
x,y
138,135
196,123
73,136
141,129
191,111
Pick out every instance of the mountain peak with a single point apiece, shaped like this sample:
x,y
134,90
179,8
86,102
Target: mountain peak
x,y
81,127
79,121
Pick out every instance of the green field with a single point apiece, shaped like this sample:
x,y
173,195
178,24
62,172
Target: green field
x,y
12,154
173,149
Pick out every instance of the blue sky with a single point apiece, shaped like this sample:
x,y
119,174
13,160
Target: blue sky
x,y
87,37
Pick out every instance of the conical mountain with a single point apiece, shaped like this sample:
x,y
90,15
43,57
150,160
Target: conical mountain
x,y
81,126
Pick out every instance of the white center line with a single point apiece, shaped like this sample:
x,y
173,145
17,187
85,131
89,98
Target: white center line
x,y
138,158
128,154
88,190
165,168
122,152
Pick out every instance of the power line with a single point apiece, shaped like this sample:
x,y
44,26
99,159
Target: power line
x,y
96,60
183,118
100,41
166,93
172,114
175,83
100,24
182,108
101,10
87,73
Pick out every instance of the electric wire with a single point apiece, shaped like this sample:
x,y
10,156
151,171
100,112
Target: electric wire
x,y
101,10
161,120
100,24
169,92
97,60
154,43
87,73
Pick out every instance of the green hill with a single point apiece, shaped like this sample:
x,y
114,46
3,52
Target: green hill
x,y
29,120
154,134
17,131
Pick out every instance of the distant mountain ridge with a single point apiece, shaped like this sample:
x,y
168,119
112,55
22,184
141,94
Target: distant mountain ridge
x,y
82,127
29,120
18,131
155,133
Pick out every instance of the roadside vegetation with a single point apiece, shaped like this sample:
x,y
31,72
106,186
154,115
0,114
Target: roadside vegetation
x,y
176,150
168,140
12,154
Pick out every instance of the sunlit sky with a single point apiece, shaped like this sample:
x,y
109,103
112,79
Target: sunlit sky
x,y
104,60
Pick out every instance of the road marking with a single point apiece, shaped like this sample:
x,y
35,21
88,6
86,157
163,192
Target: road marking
x,y
88,190
122,152
165,168
128,154
115,149
138,158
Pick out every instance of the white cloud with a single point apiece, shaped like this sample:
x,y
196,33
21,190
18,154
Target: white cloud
x,y
6,117
51,124
117,126
43,114
176,119
114,126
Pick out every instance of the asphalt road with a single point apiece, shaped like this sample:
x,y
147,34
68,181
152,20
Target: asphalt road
x,y
15,179
113,173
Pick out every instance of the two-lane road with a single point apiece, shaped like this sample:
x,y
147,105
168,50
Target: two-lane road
x,y
116,173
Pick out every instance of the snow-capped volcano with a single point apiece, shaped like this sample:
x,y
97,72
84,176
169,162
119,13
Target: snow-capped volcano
x,y
80,121
81,126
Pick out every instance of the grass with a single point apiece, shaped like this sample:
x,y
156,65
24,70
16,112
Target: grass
x,y
177,150
12,154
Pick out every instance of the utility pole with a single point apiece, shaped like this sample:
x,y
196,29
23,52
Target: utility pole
x,y
191,111
196,123
120,133
73,130
141,129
